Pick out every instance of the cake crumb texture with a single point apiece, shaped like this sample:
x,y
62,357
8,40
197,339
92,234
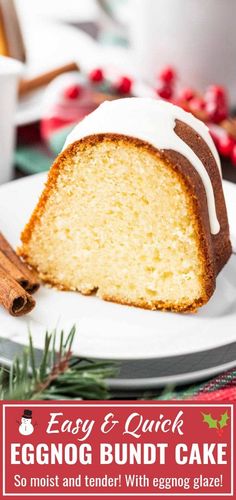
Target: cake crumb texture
x,y
117,220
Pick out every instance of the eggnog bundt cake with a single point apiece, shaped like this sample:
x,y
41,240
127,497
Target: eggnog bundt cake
x,y
133,209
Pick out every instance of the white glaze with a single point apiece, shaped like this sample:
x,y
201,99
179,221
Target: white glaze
x,y
153,121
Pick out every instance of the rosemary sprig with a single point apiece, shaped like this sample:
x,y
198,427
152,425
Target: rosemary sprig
x,y
60,375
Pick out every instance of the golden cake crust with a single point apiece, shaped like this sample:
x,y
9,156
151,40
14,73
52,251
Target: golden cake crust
x,y
214,250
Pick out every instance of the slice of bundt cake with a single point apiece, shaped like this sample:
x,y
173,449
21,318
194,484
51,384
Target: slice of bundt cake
x,y
133,209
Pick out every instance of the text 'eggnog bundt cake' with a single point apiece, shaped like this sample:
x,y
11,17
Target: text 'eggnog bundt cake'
x,y
133,209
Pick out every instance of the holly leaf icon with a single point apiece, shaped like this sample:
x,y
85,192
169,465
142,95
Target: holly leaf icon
x,y
212,422
223,422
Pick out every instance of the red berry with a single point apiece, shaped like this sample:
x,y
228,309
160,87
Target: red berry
x,y
187,94
167,75
225,145
216,103
96,75
233,155
216,112
124,85
165,91
72,92
216,92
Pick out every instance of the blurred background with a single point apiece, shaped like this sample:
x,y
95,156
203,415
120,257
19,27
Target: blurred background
x,y
60,59
69,56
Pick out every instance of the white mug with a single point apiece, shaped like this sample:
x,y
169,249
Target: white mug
x,y
197,37
10,70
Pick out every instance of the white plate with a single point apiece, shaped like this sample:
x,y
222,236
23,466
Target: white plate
x,y
113,331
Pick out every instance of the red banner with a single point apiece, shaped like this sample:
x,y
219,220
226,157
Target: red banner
x,y
109,449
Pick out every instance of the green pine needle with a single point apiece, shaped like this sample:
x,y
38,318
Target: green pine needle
x,y
60,375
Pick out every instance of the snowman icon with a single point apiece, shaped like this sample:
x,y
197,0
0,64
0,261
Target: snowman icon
x,y
26,427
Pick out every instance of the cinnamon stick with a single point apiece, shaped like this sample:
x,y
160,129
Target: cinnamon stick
x,y
13,297
30,84
17,269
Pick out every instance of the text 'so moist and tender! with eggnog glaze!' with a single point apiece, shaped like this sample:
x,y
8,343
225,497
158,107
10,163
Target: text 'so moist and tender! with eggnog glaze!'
x,y
133,209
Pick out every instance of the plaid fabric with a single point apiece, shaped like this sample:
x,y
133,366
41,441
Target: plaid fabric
x,y
220,388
